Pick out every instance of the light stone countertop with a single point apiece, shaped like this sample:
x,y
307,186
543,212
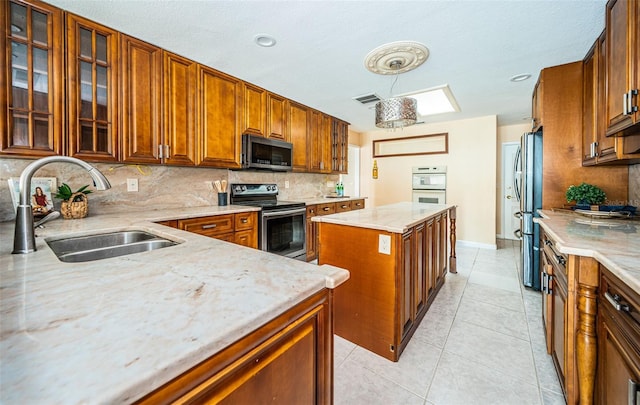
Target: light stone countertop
x,y
112,330
395,218
613,243
327,200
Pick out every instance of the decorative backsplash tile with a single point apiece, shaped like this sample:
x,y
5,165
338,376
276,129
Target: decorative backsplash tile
x,y
159,186
634,185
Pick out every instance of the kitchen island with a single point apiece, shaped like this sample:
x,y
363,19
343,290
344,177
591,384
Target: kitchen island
x,y
165,323
590,268
397,256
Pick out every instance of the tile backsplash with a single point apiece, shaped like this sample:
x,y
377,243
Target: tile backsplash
x,y
158,186
634,185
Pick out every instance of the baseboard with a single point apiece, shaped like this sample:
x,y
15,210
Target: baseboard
x,y
466,243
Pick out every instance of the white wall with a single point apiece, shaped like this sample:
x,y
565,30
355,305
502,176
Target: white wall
x,y
471,173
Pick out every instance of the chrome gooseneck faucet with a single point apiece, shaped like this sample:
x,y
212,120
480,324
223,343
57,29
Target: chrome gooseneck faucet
x,y
24,240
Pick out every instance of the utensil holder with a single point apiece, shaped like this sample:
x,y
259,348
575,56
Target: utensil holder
x,y
222,198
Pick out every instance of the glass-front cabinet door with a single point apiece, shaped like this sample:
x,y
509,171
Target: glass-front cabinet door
x,y
92,54
31,76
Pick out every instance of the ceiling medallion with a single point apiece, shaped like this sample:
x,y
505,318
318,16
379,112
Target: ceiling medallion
x,y
383,59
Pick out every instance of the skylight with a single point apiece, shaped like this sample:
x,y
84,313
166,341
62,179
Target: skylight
x,y
436,100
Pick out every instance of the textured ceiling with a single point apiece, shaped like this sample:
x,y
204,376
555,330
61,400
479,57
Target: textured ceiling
x,y
475,46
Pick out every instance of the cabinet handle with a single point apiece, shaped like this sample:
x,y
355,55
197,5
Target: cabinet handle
x,y
633,393
544,282
210,226
625,104
168,150
343,206
614,300
631,108
244,220
595,149
325,209
160,151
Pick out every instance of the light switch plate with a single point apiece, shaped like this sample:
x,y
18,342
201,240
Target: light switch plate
x,y
132,184
384,244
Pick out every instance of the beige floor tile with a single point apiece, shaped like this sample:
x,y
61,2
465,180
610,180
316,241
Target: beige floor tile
x,y
355,384
493,317
491,280
459,381
552,398
503,353
341,349
502,298
414,371
435,326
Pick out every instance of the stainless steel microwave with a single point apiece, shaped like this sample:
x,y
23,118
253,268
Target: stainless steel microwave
x,y
266,154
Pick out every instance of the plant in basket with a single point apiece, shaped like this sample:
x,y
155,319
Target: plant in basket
x,y
75,205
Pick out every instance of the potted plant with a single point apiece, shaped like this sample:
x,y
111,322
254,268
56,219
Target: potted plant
x,y
585,195
75,205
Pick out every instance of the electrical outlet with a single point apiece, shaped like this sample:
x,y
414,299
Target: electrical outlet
x,y
330,184
132,184
286,184
384,244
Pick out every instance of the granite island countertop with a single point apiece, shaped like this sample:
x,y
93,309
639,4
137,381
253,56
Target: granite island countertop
x,y
113,330
613,243
395,218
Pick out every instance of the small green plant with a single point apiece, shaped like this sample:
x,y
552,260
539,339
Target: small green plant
x,y
65,193
585,194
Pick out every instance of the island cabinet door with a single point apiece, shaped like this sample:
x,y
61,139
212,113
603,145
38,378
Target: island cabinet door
x,y
406,283
289,360
430,237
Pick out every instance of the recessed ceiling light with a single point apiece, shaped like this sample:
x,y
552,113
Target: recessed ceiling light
x,y
520,77
264,40
436,100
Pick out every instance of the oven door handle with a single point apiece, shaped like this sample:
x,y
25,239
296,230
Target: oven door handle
x,y
281,213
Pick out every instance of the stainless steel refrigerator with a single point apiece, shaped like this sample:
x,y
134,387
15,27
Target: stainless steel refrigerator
x,y
528,176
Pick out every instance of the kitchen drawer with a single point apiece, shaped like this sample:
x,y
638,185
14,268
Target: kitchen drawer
x,y
247,238
357,204
172,223
326,208
245,220
208,226
312,211
343,206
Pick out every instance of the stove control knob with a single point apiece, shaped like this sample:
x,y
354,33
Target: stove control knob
x,y
244,188
274,188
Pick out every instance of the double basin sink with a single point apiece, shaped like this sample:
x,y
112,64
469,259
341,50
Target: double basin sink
x,y
106,245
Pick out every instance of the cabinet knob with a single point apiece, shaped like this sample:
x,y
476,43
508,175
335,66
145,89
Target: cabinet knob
x,y
633,392
210,226
244,220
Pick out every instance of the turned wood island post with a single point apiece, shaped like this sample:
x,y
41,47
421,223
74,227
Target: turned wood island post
x,y
398,256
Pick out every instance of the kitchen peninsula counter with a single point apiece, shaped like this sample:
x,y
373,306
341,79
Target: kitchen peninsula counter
x,y
397,256
613,243
113,330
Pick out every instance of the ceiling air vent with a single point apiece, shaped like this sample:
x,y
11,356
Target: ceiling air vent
x,y
368,98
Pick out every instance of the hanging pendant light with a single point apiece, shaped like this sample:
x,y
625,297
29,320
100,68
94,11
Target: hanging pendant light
x,y
396,112
392,59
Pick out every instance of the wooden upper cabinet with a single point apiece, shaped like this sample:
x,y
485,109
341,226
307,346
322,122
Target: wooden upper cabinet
x,y
623,66
179,140
339,146
299,120
536,106
32,79
220,114
92,83
141,107
255,102
276,117
320,148
589,97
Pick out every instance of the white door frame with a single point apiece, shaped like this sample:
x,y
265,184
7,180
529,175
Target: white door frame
x,y
507,169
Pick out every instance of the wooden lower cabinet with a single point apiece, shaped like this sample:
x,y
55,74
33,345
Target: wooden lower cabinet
x,y
289,360
387,295
325,209
239,228
618,376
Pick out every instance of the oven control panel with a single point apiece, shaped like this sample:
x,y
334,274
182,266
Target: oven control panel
x,y
254,189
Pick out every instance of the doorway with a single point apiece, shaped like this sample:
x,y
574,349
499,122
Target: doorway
x,y
510,202
351,180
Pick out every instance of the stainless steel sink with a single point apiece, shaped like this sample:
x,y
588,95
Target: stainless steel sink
x,y
105,245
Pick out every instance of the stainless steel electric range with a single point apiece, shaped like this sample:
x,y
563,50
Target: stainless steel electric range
x,y
281,224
